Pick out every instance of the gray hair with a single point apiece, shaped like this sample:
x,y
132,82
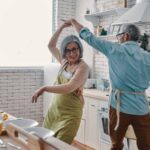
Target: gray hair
x,y
69,39
132,30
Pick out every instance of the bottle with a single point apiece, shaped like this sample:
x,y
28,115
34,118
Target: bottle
x,y
99,29
1,126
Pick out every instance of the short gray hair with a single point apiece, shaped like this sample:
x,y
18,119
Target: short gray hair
x,y
132,30
69,39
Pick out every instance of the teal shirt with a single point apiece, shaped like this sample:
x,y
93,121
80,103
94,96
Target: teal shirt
x,y
129,70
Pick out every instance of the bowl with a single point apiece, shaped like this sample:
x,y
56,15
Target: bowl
x,y
40,132
23,123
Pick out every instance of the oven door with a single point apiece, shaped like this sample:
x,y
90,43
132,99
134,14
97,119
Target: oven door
x,y
104,124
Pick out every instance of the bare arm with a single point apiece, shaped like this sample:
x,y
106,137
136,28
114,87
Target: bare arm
x,y
76,82
53,42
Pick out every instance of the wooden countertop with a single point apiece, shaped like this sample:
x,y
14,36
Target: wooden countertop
x,y
95,93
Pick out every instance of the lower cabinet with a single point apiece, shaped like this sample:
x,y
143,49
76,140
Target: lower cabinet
x,y
92,124
89,130
89,133
105,146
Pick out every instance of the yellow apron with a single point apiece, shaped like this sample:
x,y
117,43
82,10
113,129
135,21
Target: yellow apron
x,y
64,113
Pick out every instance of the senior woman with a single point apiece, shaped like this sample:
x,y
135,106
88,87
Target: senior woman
x,y
65,111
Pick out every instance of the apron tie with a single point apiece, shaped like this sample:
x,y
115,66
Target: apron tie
x,y
118,92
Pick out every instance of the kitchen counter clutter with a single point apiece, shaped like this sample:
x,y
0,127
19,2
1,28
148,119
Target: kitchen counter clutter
x,y
23,134
17,138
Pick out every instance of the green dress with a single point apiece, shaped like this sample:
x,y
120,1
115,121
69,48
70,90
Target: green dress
x,y
65,112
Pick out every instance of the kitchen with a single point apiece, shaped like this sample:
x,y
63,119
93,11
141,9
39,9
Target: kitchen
x,y
31,78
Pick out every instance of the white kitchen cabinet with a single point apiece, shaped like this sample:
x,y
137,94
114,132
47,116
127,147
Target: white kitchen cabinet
x,y
105,146
89,130
80,137
92,133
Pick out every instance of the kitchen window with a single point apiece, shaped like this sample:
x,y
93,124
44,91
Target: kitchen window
x,y
25,30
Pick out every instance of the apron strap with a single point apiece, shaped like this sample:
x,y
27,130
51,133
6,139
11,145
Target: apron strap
x,y
118,93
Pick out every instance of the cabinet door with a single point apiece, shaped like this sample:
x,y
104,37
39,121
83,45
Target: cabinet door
x,y
105,146
92,130
80,137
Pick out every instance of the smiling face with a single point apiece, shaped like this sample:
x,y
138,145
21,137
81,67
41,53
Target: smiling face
x,y
72,53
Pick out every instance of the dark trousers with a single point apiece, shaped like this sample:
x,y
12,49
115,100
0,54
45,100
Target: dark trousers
x,y
140,124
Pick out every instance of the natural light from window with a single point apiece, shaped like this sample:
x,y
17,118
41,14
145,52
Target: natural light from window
x,y
25,29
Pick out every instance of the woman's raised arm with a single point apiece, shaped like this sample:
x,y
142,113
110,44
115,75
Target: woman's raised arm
x,y
52,45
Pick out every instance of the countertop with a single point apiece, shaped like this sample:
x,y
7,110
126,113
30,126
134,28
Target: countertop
x,y
95,93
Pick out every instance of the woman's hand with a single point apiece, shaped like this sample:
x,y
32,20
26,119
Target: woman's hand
x,y
37,94
79,93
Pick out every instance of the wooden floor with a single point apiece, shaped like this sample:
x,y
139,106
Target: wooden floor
x,y
80,146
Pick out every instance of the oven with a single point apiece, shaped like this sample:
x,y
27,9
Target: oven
x,y
103,118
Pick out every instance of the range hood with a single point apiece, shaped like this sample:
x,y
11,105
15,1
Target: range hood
x,y
139,14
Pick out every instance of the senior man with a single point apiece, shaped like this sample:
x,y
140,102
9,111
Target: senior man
x,y
129,71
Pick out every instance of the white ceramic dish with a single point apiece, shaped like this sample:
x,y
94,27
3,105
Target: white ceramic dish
x,y
40,132
23,123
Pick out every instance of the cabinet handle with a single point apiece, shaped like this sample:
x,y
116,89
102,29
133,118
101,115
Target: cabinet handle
x,y
93,105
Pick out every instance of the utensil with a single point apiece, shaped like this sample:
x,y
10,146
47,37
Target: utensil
x,y
12,145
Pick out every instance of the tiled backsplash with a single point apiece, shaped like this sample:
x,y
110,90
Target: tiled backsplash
x,y
16,88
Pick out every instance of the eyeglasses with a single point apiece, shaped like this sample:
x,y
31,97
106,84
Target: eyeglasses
x,y
73,50
120,34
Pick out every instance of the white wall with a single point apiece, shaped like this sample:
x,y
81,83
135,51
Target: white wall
x,y
81,7
25,29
